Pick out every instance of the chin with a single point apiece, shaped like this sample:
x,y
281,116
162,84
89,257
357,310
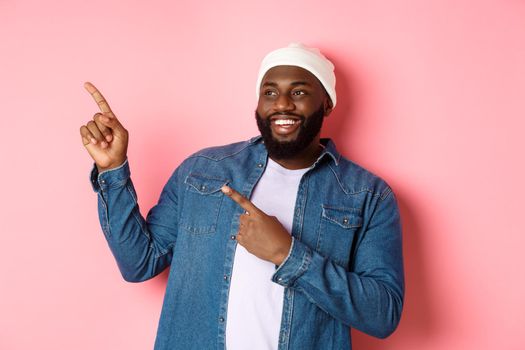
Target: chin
x,y
287,138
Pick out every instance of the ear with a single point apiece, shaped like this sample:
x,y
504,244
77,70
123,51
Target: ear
x,y
328,106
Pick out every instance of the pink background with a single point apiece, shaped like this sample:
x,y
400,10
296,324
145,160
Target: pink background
x,y
431,98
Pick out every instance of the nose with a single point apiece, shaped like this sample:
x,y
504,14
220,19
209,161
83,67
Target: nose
x,y
284,103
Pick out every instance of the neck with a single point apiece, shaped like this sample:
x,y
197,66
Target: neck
x,y
304,159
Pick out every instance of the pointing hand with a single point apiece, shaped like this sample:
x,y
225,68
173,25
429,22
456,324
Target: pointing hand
x,y
262,235
104,137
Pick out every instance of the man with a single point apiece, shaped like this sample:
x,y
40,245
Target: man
x,y
308,246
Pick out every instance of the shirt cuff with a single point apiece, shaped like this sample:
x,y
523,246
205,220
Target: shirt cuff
x,y
111,178
295,264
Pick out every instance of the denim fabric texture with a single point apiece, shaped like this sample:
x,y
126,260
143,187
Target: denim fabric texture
x,y
344,269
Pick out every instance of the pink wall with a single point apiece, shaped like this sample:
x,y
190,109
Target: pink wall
x,y
431,97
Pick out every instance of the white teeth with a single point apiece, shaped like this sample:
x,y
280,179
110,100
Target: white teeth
x,y
285,122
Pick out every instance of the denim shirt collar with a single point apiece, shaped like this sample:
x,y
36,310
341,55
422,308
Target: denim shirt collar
x,y
329,149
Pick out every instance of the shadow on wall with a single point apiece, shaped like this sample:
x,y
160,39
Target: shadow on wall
x,y
336,123
417,320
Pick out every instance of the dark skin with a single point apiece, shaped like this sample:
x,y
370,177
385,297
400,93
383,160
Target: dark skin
x,y
285,91
294,91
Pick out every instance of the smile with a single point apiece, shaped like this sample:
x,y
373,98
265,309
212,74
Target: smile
x,y
285,126
285,122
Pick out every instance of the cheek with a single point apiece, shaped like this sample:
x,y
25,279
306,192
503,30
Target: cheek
x,y
263,108
312,107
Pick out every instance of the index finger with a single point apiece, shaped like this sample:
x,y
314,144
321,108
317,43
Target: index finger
x,y
99,99
240,199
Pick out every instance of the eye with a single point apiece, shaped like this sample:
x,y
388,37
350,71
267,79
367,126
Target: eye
x,y
269,93
299,92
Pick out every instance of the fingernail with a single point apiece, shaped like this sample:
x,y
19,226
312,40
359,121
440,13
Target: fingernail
x,y
104,144
225,189
104,118
93,141
108,138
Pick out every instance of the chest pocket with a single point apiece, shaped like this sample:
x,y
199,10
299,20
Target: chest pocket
x,y
337,229
202,203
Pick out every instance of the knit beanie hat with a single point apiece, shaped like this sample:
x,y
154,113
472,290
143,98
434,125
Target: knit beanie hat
x,y
311,59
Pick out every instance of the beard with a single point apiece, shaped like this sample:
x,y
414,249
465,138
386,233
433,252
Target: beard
x,y
308,130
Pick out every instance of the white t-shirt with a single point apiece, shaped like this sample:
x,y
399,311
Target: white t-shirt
x,y
255,302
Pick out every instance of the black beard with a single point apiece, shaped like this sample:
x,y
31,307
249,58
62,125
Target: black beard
x,y
308,130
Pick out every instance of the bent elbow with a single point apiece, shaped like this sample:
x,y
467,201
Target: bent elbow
x,y
389,323
135,275
133,278
386,330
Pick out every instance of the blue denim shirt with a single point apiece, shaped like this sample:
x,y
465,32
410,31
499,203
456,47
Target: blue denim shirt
x,y
344,269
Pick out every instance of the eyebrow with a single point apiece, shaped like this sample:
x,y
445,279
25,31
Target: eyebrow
x,y
294,83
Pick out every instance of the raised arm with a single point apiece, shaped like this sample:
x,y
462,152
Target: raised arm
x,y
142,247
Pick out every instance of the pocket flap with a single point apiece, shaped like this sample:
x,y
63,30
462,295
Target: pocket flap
x,y
344,217
205,185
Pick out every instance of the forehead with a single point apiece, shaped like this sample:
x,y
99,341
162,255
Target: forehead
x,y
290,74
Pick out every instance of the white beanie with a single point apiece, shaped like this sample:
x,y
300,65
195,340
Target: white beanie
x,y
311,59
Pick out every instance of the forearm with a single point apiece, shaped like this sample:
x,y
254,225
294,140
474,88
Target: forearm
x,y
139,256
368,303
368,294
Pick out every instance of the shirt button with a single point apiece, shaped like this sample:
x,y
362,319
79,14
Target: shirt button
x,y
345,221
221,319
260,165
280,279
225,277
232,237
102,181
203,188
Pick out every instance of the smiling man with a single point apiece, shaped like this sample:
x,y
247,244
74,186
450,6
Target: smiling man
x,y
306,245
290,113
